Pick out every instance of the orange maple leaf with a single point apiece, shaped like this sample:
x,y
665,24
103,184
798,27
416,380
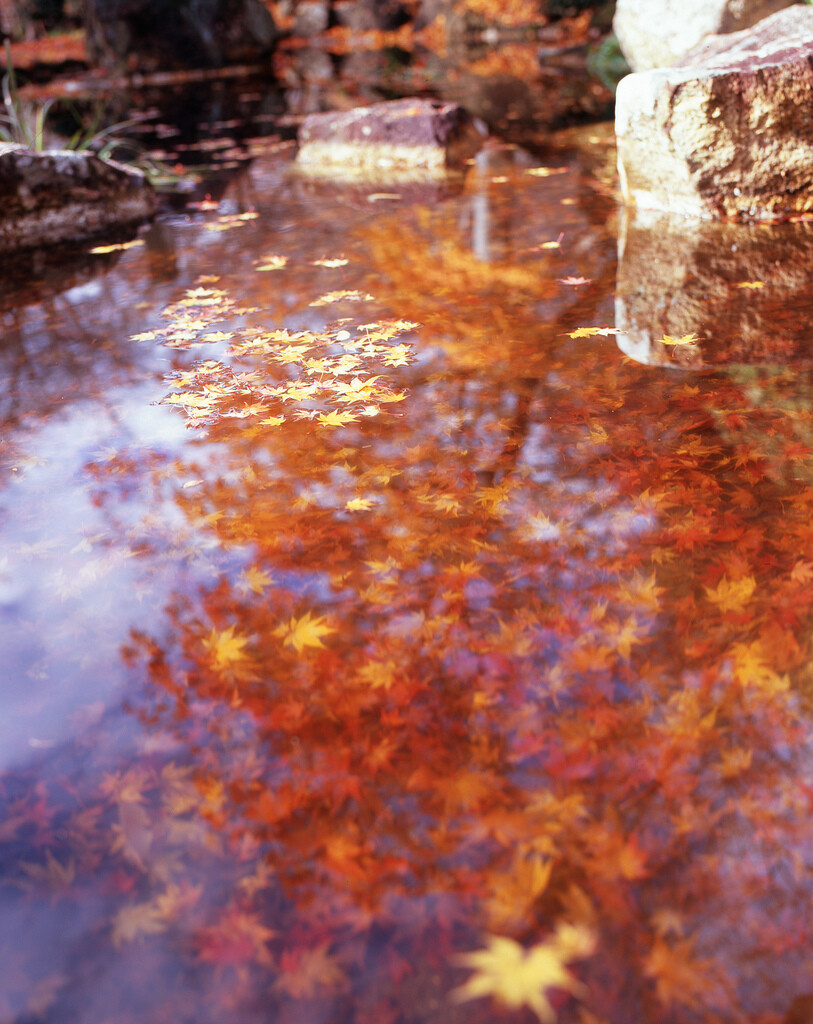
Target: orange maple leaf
x,y
732,595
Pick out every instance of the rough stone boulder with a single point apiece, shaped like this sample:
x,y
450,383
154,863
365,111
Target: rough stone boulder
x,y
719,293
388,138
729,133
656,33
60,195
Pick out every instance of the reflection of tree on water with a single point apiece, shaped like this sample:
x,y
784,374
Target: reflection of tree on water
x,y
519,649
467,705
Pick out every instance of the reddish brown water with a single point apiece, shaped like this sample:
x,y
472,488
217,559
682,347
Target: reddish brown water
x,y
354,612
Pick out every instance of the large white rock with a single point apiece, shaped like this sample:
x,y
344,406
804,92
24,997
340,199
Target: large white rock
x,y
730,132
656,33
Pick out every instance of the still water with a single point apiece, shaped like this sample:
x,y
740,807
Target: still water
x,y
391,567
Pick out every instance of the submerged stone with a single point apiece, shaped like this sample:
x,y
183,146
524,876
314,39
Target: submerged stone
x,y
728,133
656,33
717,294
388,138
62,195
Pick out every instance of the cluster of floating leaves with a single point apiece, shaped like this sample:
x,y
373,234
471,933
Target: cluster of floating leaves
x,y
328,375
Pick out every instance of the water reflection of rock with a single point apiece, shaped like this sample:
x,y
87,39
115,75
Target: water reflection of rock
x,y
744,291
520,97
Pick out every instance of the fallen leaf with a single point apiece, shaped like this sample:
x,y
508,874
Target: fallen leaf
x,y
306,631
118,246
686,339
516,976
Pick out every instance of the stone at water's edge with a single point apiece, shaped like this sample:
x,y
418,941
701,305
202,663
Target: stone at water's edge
x,y
388,138
735,288
60,196
729,133
656,33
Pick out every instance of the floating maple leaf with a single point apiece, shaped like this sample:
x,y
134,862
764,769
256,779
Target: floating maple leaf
x,y
517,977
335,418
545,172
588,332
342,296
358,505
114,248
273,263
574,280
331,263
686,339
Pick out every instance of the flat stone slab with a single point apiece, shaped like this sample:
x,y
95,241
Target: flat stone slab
x,y
62,195
388,138
657,33
717,294
729,132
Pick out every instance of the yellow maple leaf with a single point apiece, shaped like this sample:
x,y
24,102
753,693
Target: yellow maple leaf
x,y
357,390
545,172
626,635
335,418
398,355
751,284
114,248
331,263
226,648
358,505
731,595
518,977
598,435
686,339
304,632
379,674
589,332
346,296
273,263
751,668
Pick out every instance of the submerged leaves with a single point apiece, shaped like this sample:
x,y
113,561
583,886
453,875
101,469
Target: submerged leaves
x,y
518,977
303,632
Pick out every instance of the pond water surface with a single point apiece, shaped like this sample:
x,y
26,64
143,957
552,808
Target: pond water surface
x,y
359,605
